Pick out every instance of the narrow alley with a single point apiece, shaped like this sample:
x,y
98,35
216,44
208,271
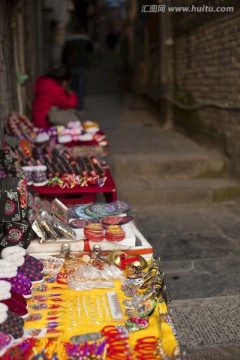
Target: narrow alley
x,y
134,129
187,206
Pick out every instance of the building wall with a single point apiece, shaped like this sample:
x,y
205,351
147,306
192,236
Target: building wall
x,y
206,70
7,96
17,55
21,54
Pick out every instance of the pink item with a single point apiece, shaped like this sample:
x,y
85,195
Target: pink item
x,y
21,284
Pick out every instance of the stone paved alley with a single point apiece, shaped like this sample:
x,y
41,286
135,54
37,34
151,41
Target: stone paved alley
x,y
189,210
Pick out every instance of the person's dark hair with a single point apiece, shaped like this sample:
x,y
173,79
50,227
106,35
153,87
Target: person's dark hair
x,y
59,74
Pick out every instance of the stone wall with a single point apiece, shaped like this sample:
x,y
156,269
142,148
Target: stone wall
x,y
206,70
7,95
18,55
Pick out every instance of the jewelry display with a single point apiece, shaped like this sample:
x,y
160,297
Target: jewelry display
x,y
52,265
118,346
89,277
50,279
62,278
71,265
144,292
38,306
115,306
52,324
99,310
133,272
85,308
34,317
71,315
53,307
167,318
80,300
52,317
42,288
106,308
55,312
92,312
79,310
39,298
134,324
148,348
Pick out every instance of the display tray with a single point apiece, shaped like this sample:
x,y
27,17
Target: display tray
x,y
98,139
71,196
135,243
83,312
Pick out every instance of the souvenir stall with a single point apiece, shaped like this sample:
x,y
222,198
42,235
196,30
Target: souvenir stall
x,y
111,225
75,133
61,161
73,284
85,308
77,280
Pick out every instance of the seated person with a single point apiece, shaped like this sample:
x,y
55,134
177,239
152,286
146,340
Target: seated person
x,y
52,90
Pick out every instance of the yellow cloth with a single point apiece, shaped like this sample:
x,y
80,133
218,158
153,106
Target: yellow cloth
x,y
72,322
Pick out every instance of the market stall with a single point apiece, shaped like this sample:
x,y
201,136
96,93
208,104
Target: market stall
x,y
92,307
76,281
62,161
80,194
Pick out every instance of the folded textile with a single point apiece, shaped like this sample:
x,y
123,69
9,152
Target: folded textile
x,y
3,313
28,265
12,250
19,283
10,323
7,269
14,303
16,259
29,260
5,288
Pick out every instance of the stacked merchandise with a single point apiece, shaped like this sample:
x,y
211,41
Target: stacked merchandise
x,y
89,307
47,163
77,173
20,127
81,226
56,166
95,304
15,207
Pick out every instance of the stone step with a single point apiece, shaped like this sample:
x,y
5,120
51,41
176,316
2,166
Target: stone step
x,y
180,191
167,165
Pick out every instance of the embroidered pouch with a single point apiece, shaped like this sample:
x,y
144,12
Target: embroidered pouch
x,y
16,233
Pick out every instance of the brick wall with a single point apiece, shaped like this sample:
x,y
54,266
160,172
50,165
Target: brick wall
x,y
206,69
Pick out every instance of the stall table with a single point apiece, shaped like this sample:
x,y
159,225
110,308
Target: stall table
x,y
88,311
78,194
83,246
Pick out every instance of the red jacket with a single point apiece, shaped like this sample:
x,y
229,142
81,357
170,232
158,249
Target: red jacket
x,y
48,92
